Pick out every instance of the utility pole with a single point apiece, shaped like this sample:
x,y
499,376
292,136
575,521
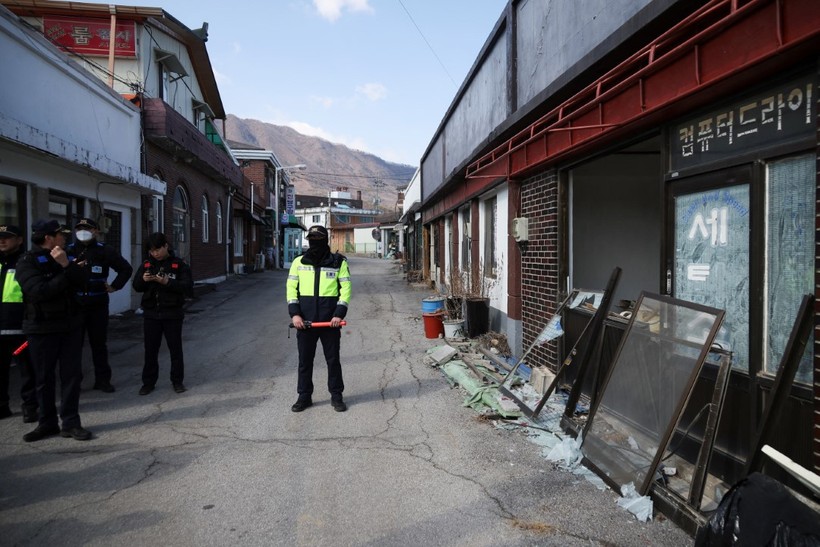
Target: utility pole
x,y
378,183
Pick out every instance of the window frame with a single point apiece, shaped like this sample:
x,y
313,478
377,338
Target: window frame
x,y
490,221
219,220
466,240
158,222
206,217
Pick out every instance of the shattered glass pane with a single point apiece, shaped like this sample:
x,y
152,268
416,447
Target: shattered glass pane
x,y
712,260
658,361
789,255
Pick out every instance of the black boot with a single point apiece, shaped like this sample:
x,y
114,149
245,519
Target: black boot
x,y
30,415
301,404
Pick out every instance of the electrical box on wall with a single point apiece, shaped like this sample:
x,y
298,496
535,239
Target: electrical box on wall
x,y
520,229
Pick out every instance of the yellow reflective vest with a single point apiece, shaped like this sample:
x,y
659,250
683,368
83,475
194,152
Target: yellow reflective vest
x,y
319,292
11,307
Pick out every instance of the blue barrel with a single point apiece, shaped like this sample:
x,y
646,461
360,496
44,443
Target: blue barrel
x,y
432,304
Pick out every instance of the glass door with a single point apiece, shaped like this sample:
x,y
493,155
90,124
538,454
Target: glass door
x,y
712,252
293,245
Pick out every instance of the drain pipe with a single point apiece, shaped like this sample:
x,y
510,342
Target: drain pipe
x,y
228,238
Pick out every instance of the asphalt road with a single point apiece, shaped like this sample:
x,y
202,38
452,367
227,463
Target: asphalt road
x,y
228,463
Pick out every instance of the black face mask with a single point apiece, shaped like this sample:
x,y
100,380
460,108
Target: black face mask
x,y
317,251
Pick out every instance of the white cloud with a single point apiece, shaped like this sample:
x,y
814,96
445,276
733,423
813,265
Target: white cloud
x,y
237,47
326,102
221,79
332,9
305,128
277,117
373,91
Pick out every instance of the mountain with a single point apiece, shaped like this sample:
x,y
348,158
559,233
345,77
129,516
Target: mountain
x,y
329,165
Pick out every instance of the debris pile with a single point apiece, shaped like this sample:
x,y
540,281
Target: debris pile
x,y
479,366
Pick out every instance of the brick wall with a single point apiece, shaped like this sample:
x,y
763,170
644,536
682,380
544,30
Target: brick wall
x,y
207,260
539,264
255,173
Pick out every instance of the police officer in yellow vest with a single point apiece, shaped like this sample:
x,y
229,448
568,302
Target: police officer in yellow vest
x,y
11,326
318,290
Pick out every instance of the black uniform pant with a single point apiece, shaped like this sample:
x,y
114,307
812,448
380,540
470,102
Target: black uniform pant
x,y
50,352
9,343
95,323
154,329
306,340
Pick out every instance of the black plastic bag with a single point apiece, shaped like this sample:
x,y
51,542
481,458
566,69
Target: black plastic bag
x,y
759,510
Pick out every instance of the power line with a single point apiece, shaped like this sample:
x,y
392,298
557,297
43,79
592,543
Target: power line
x,y
342,175
428,43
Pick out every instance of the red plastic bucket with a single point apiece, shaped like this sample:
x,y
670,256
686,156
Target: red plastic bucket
x,y
433,325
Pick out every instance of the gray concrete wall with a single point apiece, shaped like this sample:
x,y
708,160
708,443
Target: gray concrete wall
x,y
554,35
553,41
481,109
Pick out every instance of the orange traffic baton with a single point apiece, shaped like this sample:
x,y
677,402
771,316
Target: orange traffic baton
x,y
316,324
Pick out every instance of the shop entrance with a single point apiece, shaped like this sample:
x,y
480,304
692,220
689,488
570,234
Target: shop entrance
x,y
293,245
741,240
710,252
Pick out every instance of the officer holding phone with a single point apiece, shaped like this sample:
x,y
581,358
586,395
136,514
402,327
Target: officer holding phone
x,y
164,281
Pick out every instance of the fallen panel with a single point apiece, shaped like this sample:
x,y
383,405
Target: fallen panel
x,y
647,386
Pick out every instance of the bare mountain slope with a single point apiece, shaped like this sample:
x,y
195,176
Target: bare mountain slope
x,y
329,165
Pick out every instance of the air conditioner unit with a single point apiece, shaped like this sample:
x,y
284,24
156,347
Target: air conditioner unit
x,y
520,229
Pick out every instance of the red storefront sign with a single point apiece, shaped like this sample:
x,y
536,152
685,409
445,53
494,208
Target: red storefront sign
x,y
91,36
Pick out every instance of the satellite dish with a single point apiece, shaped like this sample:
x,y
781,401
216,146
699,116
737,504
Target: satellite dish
x,y
377,234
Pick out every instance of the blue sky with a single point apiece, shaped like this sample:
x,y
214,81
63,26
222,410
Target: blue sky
x,y
355,72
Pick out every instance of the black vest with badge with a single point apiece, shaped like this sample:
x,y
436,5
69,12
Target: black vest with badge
x,y
164,300
98,258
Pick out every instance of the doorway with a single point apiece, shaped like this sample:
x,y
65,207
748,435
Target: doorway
x,y
293,245
711,252
742,239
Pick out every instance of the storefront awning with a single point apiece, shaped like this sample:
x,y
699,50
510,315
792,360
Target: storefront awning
x,y
253,217
293,222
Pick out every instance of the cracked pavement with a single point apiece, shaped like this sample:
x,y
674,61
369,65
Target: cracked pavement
x,y
227,462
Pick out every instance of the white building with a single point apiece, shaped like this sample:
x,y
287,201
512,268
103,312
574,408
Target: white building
x,y
69,145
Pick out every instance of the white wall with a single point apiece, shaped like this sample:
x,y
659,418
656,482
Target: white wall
x,y
63,130
180,91
497,288
121,300
364,236
52,104
412,194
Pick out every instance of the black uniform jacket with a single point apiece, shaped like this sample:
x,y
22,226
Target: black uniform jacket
x,y
48,292
164,301
99,259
